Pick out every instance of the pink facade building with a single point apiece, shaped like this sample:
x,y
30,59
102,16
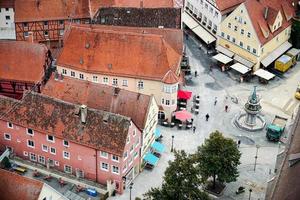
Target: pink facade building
x,y
78,140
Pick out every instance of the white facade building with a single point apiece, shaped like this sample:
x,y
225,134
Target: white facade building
x,y
204,17
7,23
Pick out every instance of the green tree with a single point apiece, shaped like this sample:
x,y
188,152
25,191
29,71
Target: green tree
x,y
218,158
181,181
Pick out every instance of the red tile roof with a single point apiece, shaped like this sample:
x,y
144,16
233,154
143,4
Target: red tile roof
x,y
7,3
14,187
138,3
122,52
102,130
22,61
256,13
101,97
170,78
271,16
228,5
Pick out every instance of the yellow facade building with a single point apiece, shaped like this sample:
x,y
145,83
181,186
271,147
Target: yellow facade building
x,y
256,33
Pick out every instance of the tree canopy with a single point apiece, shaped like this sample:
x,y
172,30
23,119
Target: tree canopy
x,y
181,181
218,158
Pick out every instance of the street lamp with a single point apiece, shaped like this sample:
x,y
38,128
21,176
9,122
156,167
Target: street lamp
x,y
172,143
250,190
257,147
130,188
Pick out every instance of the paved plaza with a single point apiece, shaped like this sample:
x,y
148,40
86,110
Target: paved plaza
x,y
276,99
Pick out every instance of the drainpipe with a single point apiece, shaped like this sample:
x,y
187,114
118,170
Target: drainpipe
x,y
96,166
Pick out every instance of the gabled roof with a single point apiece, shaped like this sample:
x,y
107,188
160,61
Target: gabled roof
x,y
256,11
271,16
121,51
102,131
170,78
22,61
137,3
228,5
44,10
102,97
14,186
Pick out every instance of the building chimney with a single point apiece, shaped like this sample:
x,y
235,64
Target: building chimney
x,y
141,4
266,12
83,113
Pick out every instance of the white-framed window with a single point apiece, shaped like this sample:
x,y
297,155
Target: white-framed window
x,y
162,101
105,80
115,81
50,138
95,79
242,31
42,160
30,143
72,74
125,83
10,125
25,153
44,148
167,89
66,155
51,162
131,149
167,102
61,32
68,169
135,155
174,88
7,136
66,143
32,156
173,101
248,34
30,131
56,163
104,166
115,169
125,155
241,44
64,71
140,85
53,150
222,34
115,158
81,76
103,154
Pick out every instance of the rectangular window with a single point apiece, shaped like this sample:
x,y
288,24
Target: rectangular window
x,y
115,169
104,154
7,17
241,44
162,101
81,76
10,125
7,136
32,156
45,23
45,148
254,51
174,88
66,143
140,85
25,25
104,166
167,102
242,31
167,89
222,34
30,132
235,28
137,142
216,14
210,9
42,160
6,9
249,35
125,83
51,162
52,150
95,79
50,138
206,5
233,40
125,155
229,25
105,80
72,74
30,143
115,81
228,37
64,71
61,32
66,155
26,34
68,169
61,22
248,48
46,33
115,158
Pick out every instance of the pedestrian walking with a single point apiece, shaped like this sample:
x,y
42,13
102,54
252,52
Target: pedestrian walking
x,y
239,143
207,116
216,100
226,108
196,73
194,129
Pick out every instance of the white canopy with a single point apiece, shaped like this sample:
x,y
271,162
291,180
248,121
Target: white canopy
x,y
264,74
240,68
222,58
276,53
243,61
293,51
224,51
197,28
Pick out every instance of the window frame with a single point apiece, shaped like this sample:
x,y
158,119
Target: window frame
x,y
140,84
39,156
114,81
51,151
105,78
30,145
52,141
104,169
7,134
68,166
10,125
102,156
125,82
66,157
35,156
43,145
68,145
112,169
113,158
27,131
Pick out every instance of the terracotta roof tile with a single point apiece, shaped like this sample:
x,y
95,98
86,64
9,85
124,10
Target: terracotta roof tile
x,y
14,186
138,3
170,78
7,3
228,5
271,16
256,13
101,97
102,130
121,52
22,61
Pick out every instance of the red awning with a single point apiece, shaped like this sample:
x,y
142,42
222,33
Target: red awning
x,y
184,94
183,115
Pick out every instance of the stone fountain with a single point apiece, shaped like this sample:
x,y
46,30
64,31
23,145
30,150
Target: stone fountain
x,y
251,119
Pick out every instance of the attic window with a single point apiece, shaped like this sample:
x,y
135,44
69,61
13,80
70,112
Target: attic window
x,y
109,66
87,45
128,11
81,61
105,119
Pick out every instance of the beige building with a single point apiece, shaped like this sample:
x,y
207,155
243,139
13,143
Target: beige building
x,y
256,33
142,60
